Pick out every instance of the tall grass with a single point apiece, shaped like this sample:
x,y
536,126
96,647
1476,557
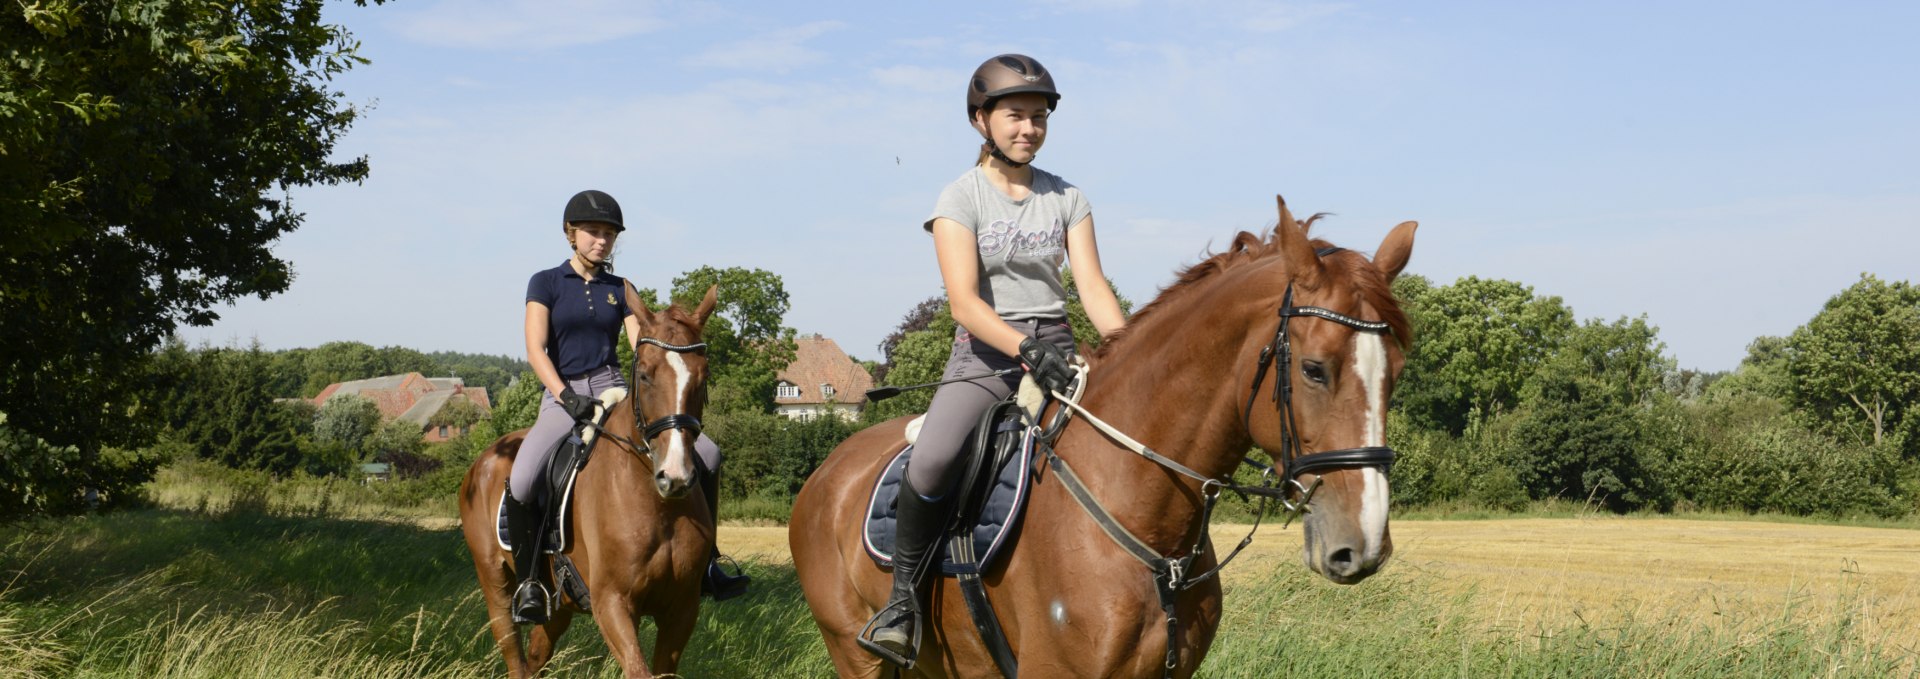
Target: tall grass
x,y
278,585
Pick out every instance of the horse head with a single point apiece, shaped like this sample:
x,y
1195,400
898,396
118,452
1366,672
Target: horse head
x,y
669,388
1340,351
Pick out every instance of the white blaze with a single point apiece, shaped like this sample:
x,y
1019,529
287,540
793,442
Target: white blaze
x,y
1370,364
676,439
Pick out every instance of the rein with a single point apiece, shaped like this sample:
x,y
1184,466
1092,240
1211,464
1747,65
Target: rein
x,y
1171,574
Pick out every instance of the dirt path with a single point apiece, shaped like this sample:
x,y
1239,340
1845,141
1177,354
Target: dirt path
x,y
1549,570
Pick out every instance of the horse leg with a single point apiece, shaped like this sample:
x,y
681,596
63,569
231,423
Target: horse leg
x,y
616,621
546,638
674,631
500,619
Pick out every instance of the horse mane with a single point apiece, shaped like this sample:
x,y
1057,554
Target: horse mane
x,y
1247,247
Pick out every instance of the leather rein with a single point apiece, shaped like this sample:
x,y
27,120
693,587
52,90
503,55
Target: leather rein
x,y
1171,574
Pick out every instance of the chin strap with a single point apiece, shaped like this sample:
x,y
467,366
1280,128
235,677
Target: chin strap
x,y
994,150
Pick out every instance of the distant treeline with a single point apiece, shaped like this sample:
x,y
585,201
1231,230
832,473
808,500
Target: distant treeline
x,y
302,373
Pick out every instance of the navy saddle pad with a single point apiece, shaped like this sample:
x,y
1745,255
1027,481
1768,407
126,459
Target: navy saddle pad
x,y
992,529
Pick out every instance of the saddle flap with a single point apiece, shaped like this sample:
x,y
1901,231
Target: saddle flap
x,y
992,525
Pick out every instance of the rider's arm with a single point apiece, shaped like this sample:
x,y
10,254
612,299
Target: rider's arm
x,y
538,316
960,270
633,333
1083,255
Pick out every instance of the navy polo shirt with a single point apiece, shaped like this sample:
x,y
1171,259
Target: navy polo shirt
x,y
584,317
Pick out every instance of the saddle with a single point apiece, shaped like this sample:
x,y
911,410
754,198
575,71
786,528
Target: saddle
x,y
999,468
562,470
993,490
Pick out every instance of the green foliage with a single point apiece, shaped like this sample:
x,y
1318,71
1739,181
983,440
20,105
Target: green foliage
x,y
517,407
747,346
1084,333
918,357
1856,365
347,420
771,456
1478,342
1747,452
216,402
1587,429
146,150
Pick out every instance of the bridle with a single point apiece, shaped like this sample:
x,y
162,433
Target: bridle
x,y
666,423
643,448
1292,464
1172,573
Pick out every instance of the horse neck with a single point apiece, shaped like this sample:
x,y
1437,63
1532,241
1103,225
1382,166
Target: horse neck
x,y
1173,384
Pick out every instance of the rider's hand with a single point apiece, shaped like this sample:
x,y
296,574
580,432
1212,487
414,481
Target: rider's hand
x,y
578,407
1047,363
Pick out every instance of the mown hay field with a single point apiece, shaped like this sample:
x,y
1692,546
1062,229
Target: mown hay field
x,y
281,592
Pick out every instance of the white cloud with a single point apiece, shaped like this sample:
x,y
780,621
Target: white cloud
x,y
919,78
525,24
779,51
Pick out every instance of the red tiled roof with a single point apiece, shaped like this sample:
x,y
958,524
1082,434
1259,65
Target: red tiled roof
x,y
818,360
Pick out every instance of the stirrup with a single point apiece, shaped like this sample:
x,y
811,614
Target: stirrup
x,y
903,661
546,608
720,584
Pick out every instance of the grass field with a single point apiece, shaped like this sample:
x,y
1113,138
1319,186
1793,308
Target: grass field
x,y
274,590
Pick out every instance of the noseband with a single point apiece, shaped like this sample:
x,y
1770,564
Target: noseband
x,y
669,422
1292,462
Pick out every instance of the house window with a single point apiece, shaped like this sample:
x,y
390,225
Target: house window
x,y
826,390
786,390
443,431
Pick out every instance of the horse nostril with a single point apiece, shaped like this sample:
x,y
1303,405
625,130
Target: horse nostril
x,y
1341,562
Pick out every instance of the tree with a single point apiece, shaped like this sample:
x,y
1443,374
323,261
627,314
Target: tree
x,y
1587,429
145,156
1856,365
222,410
346,420
920,317
1083,331
519,405
747,346
1481,340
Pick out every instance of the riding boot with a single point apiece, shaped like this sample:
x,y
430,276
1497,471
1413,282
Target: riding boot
x,y
718,583
917,532
525,529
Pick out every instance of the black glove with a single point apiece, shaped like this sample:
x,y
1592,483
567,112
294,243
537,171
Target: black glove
x,y
1047,363
578,407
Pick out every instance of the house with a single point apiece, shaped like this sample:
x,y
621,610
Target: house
x,y
821,379
414,398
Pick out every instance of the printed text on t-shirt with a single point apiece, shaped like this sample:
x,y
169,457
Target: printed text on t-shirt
x,y
1002,234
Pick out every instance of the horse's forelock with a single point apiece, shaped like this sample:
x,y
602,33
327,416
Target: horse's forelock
x,y
1371,287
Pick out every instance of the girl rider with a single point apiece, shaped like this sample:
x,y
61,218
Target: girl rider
x,y
570,342
1000,232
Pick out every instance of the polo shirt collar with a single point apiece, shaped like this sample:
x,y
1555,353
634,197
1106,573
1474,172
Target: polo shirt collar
x,y
566,269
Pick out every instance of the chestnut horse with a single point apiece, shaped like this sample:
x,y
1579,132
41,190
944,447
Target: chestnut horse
x,y
1072,597
641,533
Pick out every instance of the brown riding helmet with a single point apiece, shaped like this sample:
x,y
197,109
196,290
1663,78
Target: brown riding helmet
x,y
1009,74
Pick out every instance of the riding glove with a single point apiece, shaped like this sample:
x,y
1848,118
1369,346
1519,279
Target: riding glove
x,y
1047,363
578,407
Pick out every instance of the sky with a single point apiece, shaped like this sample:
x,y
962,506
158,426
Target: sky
x,y
1722,168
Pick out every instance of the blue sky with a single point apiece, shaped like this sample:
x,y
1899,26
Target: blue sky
x,y
1722,167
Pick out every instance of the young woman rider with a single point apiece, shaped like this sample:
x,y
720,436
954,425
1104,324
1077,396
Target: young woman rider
x,y
575,312
999,232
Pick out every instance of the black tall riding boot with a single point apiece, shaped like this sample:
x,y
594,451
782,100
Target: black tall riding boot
x,y
917,535
718,583
526,530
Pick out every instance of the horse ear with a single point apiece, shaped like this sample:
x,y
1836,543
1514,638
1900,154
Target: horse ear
x,y
1394,252
639,306
706,306
1301,261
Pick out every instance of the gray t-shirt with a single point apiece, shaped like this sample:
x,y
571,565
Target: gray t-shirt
x,y
1022,242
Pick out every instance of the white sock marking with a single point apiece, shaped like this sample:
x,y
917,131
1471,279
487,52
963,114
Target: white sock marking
x,y
1370,364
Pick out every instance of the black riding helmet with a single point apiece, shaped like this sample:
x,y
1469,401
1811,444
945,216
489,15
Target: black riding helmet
x,y
1004,75
593,206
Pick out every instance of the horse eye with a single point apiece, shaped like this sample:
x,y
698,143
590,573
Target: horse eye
x,y
1314,371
